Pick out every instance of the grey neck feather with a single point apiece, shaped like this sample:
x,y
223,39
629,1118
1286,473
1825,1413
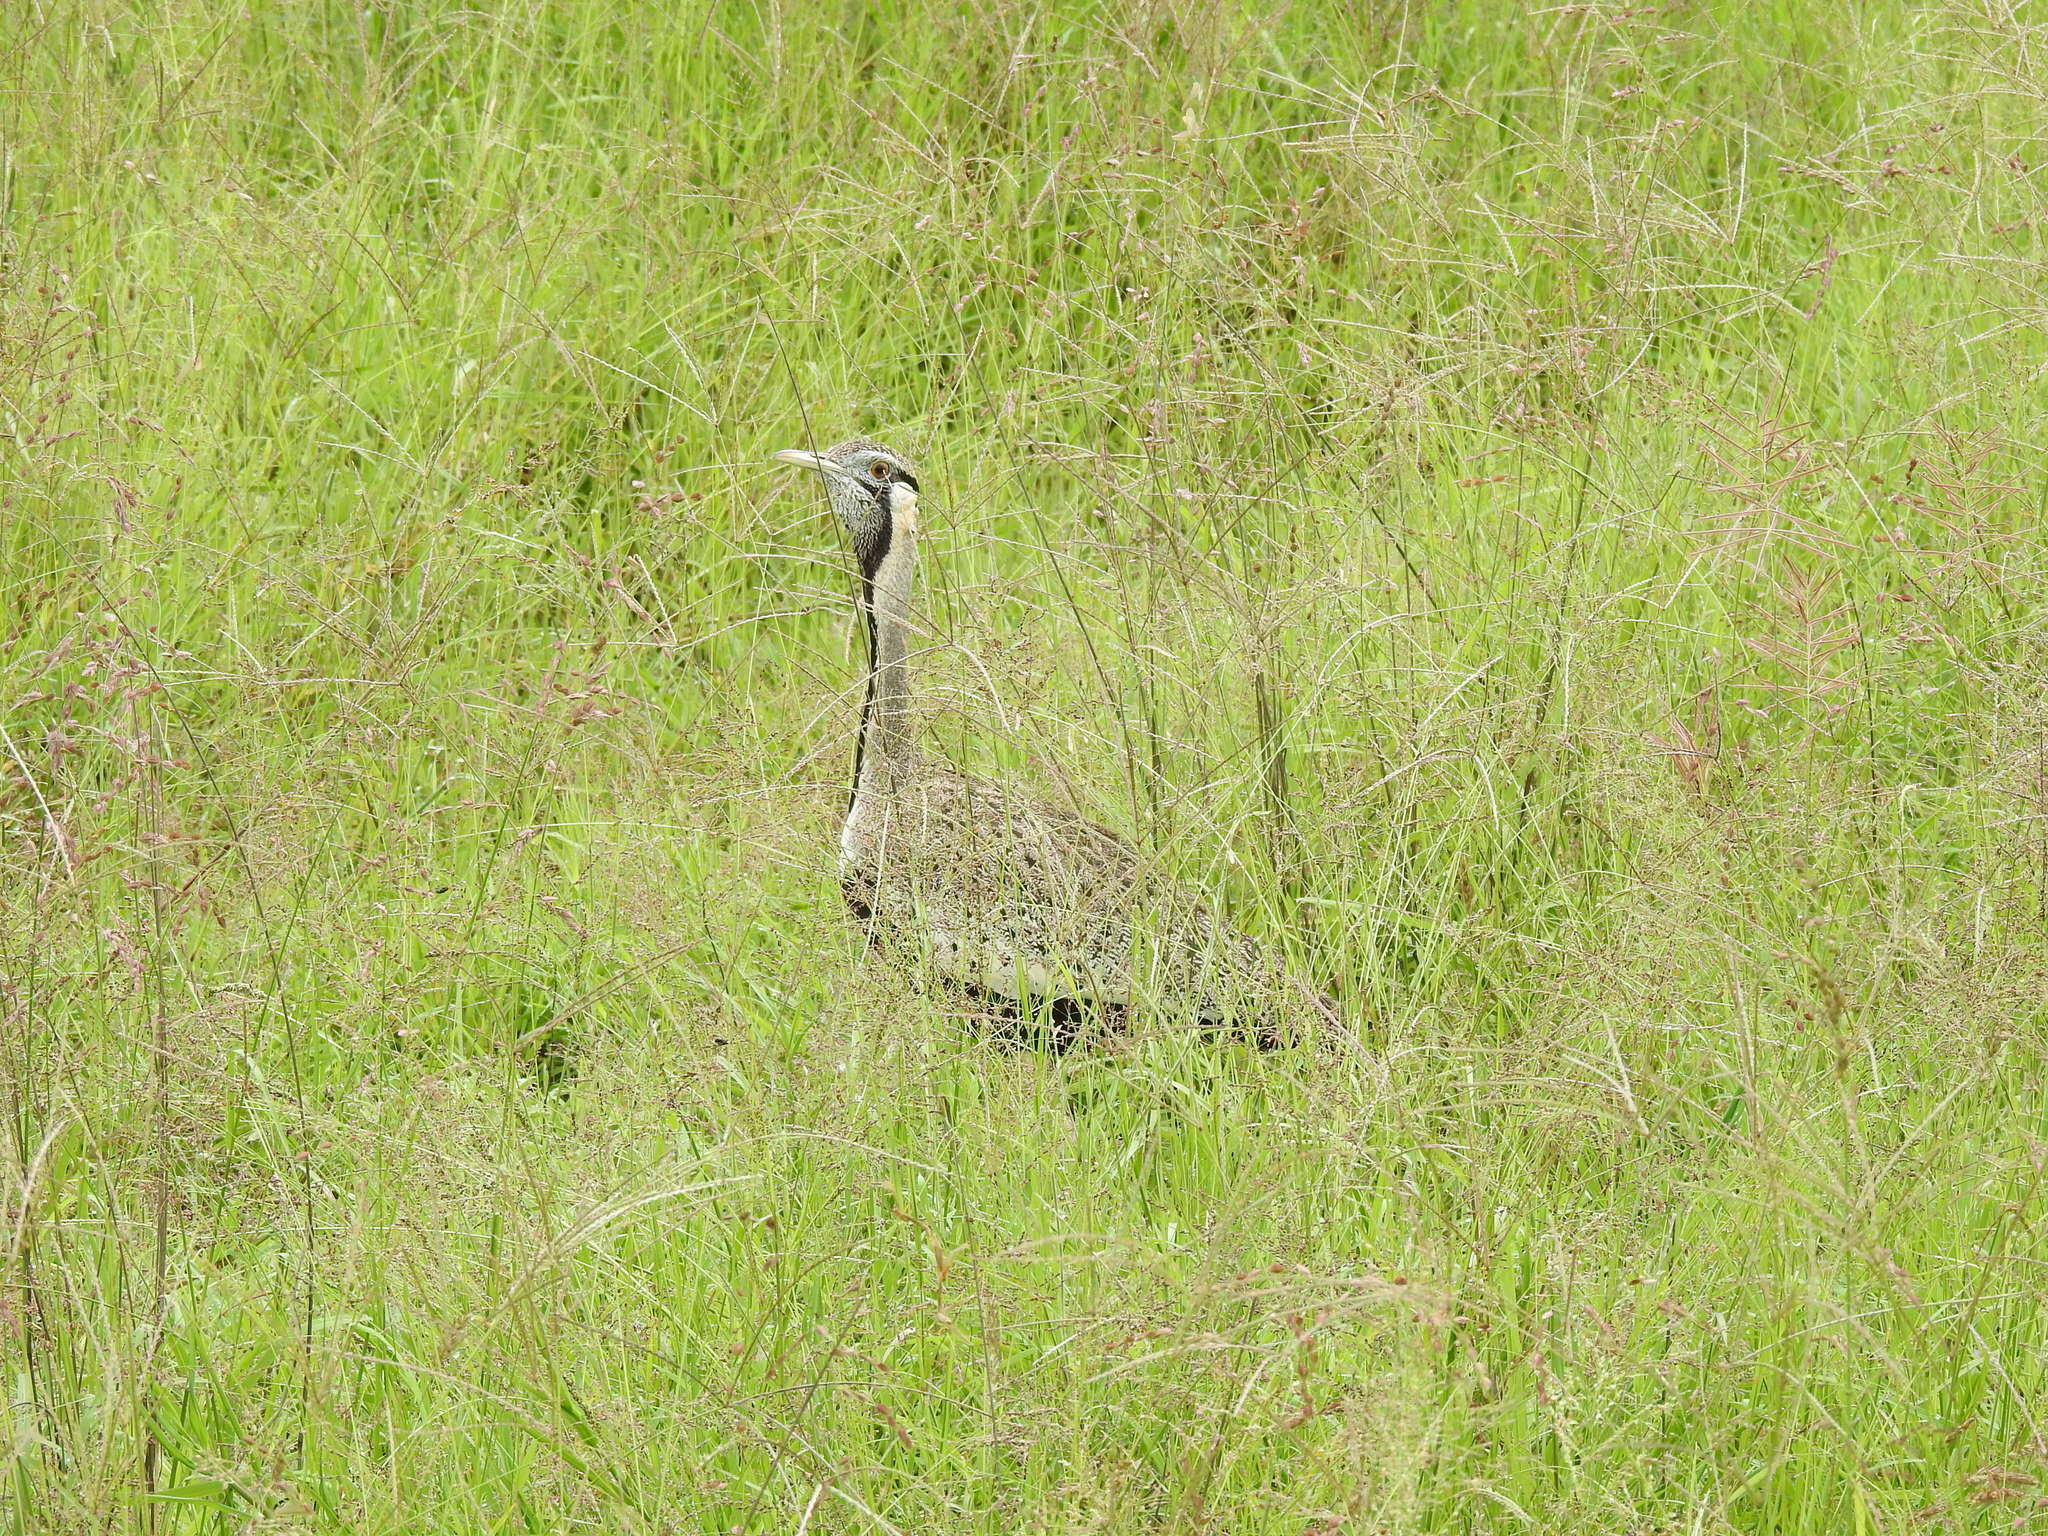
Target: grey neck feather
x,y
887,744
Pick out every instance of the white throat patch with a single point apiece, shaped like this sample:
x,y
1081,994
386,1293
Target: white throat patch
x,y
903,507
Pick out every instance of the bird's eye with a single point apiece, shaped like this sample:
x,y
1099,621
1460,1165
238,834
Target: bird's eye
x,y
879,469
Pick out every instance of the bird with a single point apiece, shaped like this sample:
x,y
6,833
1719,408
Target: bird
x,y
1027,908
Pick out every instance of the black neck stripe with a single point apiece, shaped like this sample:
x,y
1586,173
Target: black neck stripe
x,y
867,708
874,550
871,553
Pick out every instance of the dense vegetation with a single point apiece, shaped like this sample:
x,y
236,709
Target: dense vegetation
x,y
1537,510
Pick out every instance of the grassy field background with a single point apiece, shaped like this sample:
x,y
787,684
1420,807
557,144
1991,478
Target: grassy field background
x,y
1536,509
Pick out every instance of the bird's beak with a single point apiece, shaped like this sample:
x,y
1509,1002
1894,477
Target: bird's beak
x,y
802,460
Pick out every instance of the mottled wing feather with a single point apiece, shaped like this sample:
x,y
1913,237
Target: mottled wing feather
x,y
1024,899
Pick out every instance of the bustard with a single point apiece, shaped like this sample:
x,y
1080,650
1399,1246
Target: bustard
x,y
1024,906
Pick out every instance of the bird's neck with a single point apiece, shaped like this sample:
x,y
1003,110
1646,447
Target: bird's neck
x,y
887,744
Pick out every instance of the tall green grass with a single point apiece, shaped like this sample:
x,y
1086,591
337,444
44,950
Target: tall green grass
x,y
1536,510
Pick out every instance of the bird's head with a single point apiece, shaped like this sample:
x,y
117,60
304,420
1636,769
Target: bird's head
x,y
872,488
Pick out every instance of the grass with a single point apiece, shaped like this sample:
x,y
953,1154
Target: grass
x,y
1536,510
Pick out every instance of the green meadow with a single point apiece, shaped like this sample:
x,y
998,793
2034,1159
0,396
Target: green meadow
x,y
1536,511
